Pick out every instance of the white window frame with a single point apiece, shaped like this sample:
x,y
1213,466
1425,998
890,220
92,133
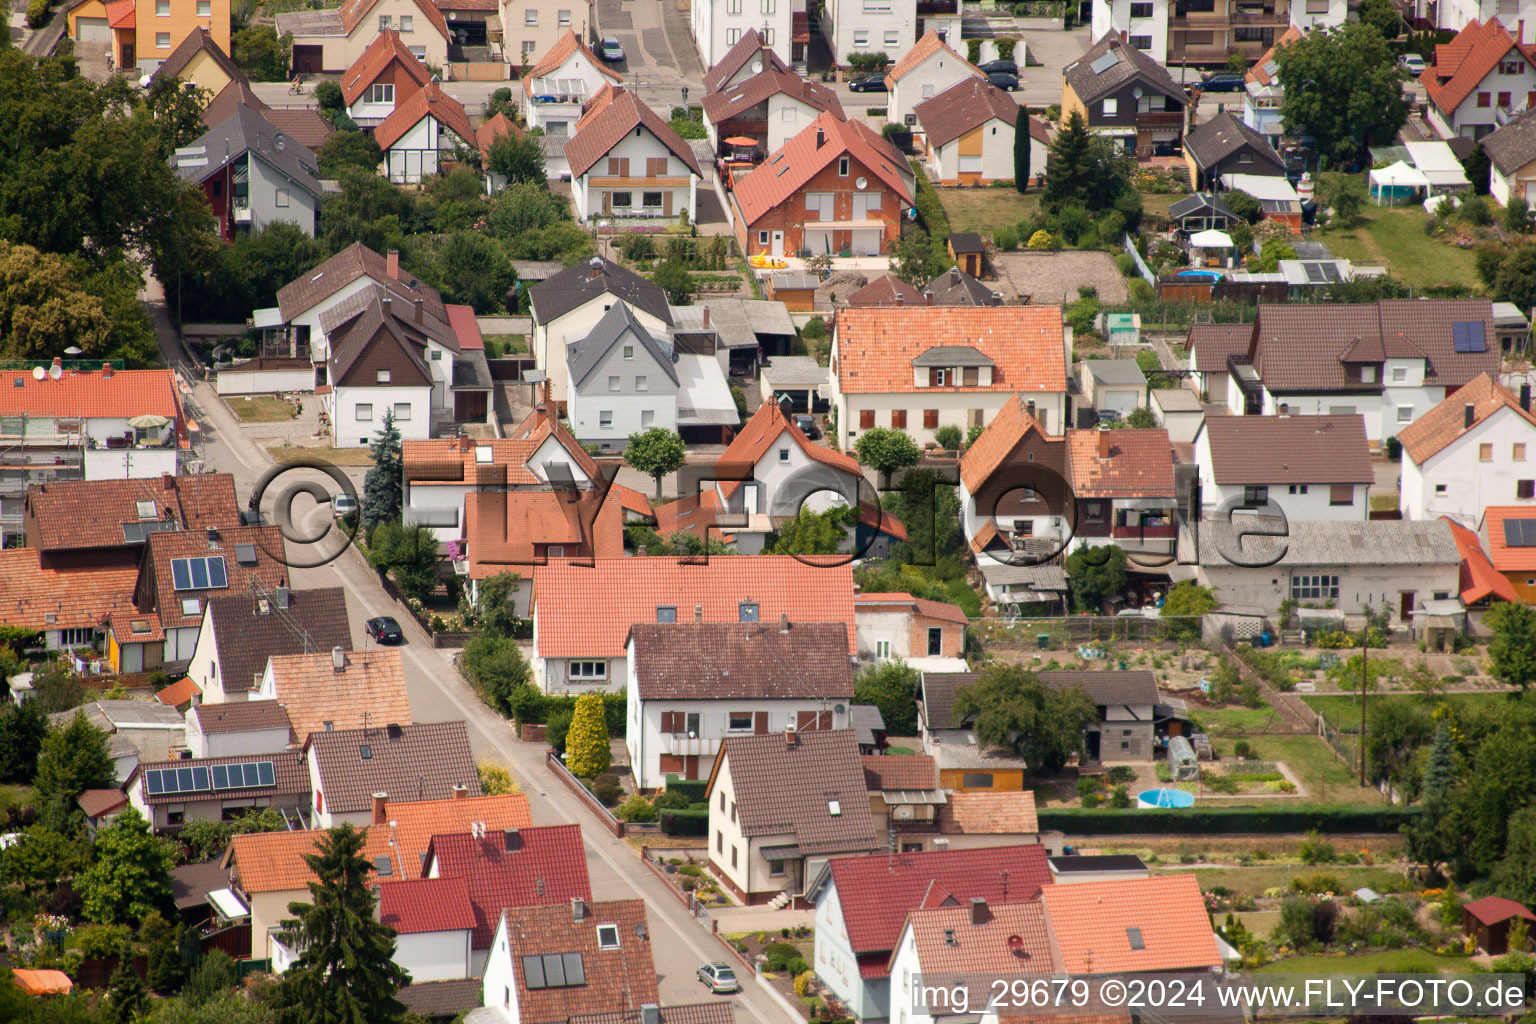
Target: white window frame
x,y
613,383
381,92
860,39
381,376
162,40
407,23
892,38
531,17
563,17
1405,414
732,716
205,8
641,384
1110,107
162,8
586,670
402,412
364,412
605,419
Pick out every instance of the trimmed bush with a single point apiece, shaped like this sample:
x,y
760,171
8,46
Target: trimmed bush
x,y
37,13
693,789
1223,820
780,954
685,821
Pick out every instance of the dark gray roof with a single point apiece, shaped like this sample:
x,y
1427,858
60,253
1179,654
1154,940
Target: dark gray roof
x,y
424,761
1130,64
866,720
1132,686
953,355
957,288
938,691
191,883
1372,542
314,621
246,131
1196,202
1514,145
966,241
442,998
583,354
1115,371
1224,135
576,285
1100,862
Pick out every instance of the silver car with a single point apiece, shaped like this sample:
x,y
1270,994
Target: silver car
x,y
719,978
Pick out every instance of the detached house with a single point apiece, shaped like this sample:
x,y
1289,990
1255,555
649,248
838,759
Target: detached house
x,y
1467,453
857,183
771,107
240,631
928,635
1511,152
1310,467
691,687
1133,925
928,68
727,35
561,83
621,380
616,137
303,125
144,35
583,614
1478,80
382,80
1225,145
782,804
919,369
252,175
422,134
955,938
968,131
351,770
198,60
1124,94
330,41
571,303
337,689
171,794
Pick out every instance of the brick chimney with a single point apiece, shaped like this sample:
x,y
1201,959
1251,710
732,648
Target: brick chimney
x,y
899,300
106,371
393,264
461,792
380,808
927,298
706,318
783,622
58,363
791,737
979,913
1103,444
417,303
698,613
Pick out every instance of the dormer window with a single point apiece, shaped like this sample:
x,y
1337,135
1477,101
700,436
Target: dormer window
x,y
747,611
1367,374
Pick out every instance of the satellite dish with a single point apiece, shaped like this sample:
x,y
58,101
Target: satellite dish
x,y
861,183
144,82
1136,92
38,373
55,371
840,709
74,350
757,67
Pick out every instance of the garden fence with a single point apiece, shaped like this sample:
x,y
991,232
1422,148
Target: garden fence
x,y
1056,633
1141,264
1346,751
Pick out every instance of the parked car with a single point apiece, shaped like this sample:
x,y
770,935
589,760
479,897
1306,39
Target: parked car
x,y
1169,147
385,630
1000,67
610,50
1222,83
720,978
869,83
1412,63
1007,83
344,505
807,425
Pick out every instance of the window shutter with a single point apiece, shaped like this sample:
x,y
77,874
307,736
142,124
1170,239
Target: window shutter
x,y
760,722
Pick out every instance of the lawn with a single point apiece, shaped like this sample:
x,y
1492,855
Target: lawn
x,y
1395,237
16,796
260,408
1325,777
1240,720
498,345
987,209
1253,881
288,454
1392,961
1343,711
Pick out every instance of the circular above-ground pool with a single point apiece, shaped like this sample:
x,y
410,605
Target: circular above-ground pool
x,y
1157,798
1208,275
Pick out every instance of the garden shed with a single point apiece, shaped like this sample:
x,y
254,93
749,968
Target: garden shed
x,y
1182,763
1487,921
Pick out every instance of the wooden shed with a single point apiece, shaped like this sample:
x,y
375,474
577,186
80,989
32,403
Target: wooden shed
x,y
796,291
1487,920
968,252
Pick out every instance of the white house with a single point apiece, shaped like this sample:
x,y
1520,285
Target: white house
x,y
920,369
778,103
617,137
925,70
692,686
1143,22
426,129
1309,467
621,380
721,27
560,84
532,27
1511,154
386,76
378,366
968,131
243,727
571,303
927,635
1479,80
1318,14
958,937
1467,453
433,921
240,631
869,26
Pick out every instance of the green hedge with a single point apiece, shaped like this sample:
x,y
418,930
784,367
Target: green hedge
x,y
687,821
693,789
614,710
930,210
1225,820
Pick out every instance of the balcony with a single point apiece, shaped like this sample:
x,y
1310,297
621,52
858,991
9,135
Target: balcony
x,y
1260,19
1199,19
242,211
683,744
937,8
1160,119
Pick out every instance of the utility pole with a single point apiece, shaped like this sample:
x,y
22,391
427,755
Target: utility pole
x,y
1365,643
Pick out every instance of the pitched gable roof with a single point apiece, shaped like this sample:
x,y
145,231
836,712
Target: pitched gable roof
x,y
1273,450
1460,66
618,117
240,716
1223,135
1507,557
1092,924
1266,71
1131,64
886,290
247,131
876,347
620,978
565,47
355,261
1213,343
425,761
492,131
924,48
200,40
955,287
922,607
990,814
505,530
910,772
576,285
372,332
386,49
817,145
1120,463
811,788
748,46
1010,425
757,439
79,514
958,109
726,103
245,636
1127,686
1479,579
253,556
457,461
1005,941
37,598
429,101
513,867
745,660
369,690
1494,909
303,125
584,354
354,11
417,905
1433,431
1513,145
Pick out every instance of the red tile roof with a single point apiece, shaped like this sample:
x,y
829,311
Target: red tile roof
x,y
1009,940
178,693
156,587
1479,579
1460,66
612,118
875,347
877,892
353,263
96,802
763,433
73,514
1506,557
386,49
486,136
1090,924
618,978
427,101
92,394
456,460
1428,435
922,606
924,48
120,13
565,47
1262,72
548,867
416,905
368,690
989,814
509,531
1130,463
800,159
38,598
587,611
992,446
746,660
1493,909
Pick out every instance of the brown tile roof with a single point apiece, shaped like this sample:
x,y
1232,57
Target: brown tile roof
x,y
96,802
1223,135
1508,557
924,48
921,606
156,590
1130,463
719,1012
950,940
1428,435
424,761
507,531
784,788
1212,343
36,598
92,394
616,979
565,47
1289,449
1090,924
354,262
1126,686
415,905
315,620
1513,145
885,291
750,45
75,514
1479,579
1011,424
1265,71
199,39
760,435
936,692
726,103
289,772
354,11
746,660
1460,66
442,998
769,184
875,347
885,771
989,814
386,49
587,611
1132,65
431,101
958,109
303,125
621,115
384,337
240,716
130,625
1493,909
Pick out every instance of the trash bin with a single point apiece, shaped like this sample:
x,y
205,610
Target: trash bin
x,y
1124,664
1043,640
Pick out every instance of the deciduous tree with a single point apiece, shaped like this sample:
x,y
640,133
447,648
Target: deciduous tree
x,y
656,452
518,158
891,687
1013,709
352,150
1512,651
262,54
586,743
885,450
132,874
1343,87
1095,573
816,533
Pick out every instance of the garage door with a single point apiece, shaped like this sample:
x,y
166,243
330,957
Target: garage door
x,y
92,30
308,60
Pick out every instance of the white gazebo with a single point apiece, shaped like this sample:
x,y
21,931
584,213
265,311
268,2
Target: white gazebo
x,y
1397,182
1212,243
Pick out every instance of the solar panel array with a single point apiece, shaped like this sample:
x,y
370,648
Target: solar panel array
x,y
1321,273
199,573
204,778
554,970
1104,63
134,533
1520,533
1467,336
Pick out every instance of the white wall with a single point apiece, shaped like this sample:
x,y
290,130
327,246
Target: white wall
x,y
725,829
500,987
718,24
129,463
233,744
1299,502
1384,415
954,408
265,382
884,623
1332,13
351,432
630,409
996,154
1115,16
836,966
1455,482
937,74
414,155
1473,121
637,149
1377,586
550,339
870,26
434,956
576,76
524,43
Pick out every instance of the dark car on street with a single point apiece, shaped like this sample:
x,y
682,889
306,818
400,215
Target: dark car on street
x,y
869,83
1007,83
1222,83
385,630
1000,67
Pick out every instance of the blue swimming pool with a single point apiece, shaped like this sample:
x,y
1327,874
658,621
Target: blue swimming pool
x,y
1206,275
1158,798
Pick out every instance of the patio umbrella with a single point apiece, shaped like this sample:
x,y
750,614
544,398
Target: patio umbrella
x,y
148,421
740,140
1211,240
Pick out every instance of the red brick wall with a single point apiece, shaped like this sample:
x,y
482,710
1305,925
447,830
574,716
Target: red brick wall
x,y
789,216
952,637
